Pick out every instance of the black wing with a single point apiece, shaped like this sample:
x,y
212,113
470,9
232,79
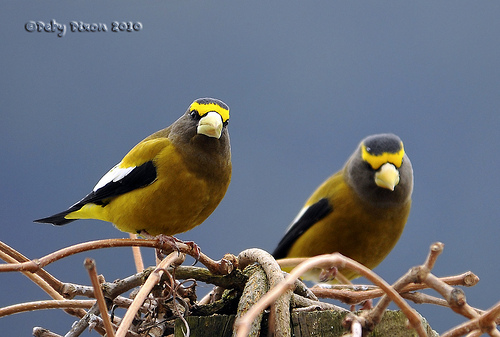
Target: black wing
x,y
140,176
313,214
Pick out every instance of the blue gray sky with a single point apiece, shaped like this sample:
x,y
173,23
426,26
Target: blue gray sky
x,y
305,83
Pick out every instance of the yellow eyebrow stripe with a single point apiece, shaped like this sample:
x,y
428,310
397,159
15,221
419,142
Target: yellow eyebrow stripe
x,y
203,109
376,161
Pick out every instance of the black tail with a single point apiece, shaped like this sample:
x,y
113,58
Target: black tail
x,y
57,219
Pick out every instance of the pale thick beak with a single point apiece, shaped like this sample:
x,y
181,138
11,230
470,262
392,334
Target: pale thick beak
x,y
210,125
387,176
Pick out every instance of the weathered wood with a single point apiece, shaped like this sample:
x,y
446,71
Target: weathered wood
x,y
329,323
255,288
200,326
316,323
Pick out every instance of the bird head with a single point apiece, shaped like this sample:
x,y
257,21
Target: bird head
x,y
211,114
380,170
384,153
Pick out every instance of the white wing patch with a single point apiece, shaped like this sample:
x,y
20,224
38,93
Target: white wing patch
x,y
115,174
301,213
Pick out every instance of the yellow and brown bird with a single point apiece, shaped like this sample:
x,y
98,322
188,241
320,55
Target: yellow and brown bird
x,y
359,211
168,183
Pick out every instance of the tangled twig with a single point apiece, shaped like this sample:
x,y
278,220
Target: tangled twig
x,y
253,277
171,259
280,311
353,294
326,262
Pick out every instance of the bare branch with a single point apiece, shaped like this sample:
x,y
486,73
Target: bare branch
x,y
256,286
10,255
41,332
222,267
304,302
413,275
421,298
484,323
101,302
353,294
47,304
177,300
91,315
136,251
154,277
280,306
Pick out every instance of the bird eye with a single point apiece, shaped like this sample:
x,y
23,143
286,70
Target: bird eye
x,y
194,114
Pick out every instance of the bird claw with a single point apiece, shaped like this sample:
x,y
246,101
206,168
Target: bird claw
x,y
171,241
327,275
365,305
194,248
167,241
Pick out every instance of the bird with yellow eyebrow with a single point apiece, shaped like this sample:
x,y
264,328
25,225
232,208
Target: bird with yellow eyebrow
x,y
168,183
359,211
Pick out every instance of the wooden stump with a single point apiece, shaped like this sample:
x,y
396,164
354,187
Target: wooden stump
x,y
315,323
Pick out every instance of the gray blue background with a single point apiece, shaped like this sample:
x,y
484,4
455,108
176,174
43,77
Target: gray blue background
x,y
305,83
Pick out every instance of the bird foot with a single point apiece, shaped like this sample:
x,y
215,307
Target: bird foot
x,y
168,244
365,305
194,248
327,275
171,242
